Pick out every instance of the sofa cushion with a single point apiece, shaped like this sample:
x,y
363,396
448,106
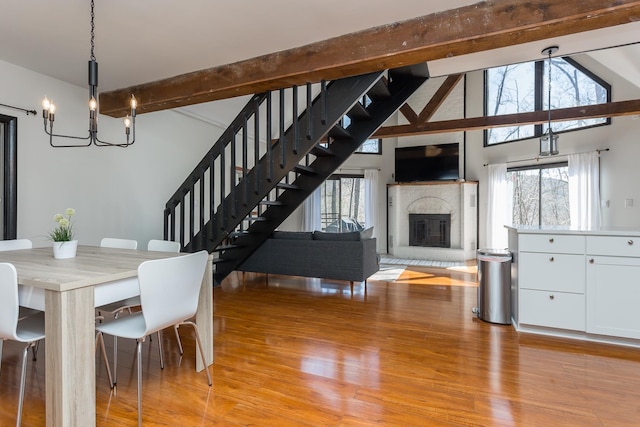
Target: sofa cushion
x,y
352,236
293,235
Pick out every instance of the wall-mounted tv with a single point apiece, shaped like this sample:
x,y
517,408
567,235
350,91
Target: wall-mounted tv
x,y
439,162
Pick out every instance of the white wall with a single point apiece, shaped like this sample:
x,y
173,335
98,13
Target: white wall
x,y
116,192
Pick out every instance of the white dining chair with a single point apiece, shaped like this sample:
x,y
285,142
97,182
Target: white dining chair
x,y
28,330
129,303
163,245
112,242
169,293
14,245
117,307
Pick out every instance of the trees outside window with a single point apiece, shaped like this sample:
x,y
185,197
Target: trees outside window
x,y
342,204
510,89
370,146
523,88
540,195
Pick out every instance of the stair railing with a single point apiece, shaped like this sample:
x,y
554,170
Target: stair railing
x,y
222,173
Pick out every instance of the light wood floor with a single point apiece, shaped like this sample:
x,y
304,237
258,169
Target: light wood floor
x,y
406,353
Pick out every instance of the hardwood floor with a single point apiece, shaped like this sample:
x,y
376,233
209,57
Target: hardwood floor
x,y
406,353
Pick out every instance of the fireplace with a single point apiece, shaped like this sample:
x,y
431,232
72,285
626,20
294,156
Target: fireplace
x,y
430,230
445,226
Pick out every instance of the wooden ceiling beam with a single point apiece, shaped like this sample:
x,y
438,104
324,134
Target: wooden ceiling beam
x,y
612,109
479,27
439,97
408,113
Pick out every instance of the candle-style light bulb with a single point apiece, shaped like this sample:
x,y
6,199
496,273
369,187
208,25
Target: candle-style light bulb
x,y
52,108
93,104
45,104
127,122
134,102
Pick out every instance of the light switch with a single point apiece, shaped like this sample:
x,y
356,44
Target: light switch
x,y
628,203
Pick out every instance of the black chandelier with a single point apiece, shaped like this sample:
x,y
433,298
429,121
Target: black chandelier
x,y
48,110
549,140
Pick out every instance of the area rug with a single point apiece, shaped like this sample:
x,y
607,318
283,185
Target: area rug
x,y
387,273
420,262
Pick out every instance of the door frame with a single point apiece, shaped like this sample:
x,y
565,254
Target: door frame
x,y
10,175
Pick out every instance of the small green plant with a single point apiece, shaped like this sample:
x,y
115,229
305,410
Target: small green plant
x,y
64,231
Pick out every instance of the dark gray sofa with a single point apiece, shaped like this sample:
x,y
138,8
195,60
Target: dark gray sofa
x,y
340,256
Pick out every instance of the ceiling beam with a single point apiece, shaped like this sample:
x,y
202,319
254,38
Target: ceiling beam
x,y
439,97
612,109
480,27
408,113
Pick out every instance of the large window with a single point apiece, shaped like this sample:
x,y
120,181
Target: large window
x,y
523,88
342,204
540,195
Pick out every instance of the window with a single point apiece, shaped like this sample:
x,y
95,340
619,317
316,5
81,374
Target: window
x,y
370,146
523,88
342,204
540,194
509,90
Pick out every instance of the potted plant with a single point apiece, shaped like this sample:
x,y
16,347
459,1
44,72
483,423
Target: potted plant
x,y
64,245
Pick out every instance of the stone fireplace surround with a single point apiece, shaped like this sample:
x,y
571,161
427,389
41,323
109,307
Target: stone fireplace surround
x,y
457,198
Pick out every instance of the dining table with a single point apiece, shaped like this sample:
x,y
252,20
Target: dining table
x,y
69,290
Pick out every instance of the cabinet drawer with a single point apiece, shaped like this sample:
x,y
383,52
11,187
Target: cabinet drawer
x,y
552,272
613,246
554,243
552,309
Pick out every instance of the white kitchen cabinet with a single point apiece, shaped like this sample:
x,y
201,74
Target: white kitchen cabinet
x,y
552,281
613,286
577,283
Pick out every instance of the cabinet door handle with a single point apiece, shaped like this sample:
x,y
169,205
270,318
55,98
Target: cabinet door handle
x,y
630,242
551,297
551,240
551,259
591,261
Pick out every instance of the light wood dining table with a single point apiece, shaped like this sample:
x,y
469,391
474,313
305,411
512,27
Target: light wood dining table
x,y
69,286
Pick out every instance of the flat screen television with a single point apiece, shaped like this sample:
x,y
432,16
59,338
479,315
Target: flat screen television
x,y
439,162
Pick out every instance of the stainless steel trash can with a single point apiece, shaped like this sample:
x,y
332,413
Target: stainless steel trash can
x,y
494,285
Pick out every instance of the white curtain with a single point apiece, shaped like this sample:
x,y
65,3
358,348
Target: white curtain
x,y
584,190
371,199
500,202
311,212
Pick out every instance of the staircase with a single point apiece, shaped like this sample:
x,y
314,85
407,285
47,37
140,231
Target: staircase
x,y
280,148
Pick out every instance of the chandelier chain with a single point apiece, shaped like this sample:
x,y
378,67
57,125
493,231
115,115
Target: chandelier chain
x,y
93,57
548,88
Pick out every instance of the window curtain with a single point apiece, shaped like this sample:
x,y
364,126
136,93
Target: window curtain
x,y
584,190
311,212
371,199
499,209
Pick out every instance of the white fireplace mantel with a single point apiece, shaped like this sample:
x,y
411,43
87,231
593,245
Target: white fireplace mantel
x,y
457,198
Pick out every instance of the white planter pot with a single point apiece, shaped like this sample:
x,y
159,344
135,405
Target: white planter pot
x,y
63,250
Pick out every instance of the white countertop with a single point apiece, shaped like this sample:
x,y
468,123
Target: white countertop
x,y
603,231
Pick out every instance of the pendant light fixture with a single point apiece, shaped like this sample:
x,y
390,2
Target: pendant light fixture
x,y
48,110
549,140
